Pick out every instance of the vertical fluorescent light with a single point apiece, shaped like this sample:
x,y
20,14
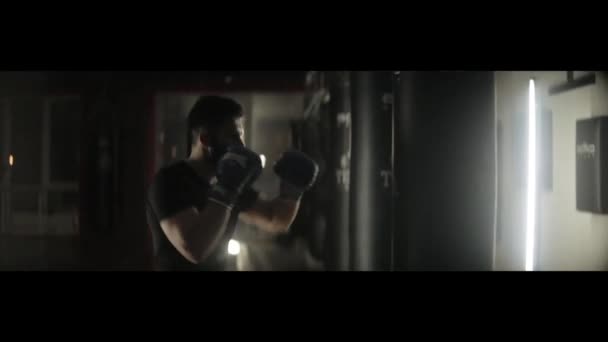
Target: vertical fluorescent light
x,y
531,188
263,159
11,160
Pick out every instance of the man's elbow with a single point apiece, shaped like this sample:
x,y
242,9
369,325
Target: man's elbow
x,y
193,253
190,253
193,246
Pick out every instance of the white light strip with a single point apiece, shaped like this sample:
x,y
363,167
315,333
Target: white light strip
x,y
531,191
263,160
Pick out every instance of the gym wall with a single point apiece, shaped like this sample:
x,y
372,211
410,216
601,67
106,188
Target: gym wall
x,y
567,239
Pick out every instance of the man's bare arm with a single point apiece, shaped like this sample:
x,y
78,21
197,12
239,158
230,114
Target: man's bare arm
x,y
195,234
272,216
297,173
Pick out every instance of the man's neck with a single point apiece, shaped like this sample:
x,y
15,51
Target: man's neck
x,y
202,167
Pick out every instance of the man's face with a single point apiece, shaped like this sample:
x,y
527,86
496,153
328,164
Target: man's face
x,y
232,133
229,134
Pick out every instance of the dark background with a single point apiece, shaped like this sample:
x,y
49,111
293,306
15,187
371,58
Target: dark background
x,y
115,107
78,203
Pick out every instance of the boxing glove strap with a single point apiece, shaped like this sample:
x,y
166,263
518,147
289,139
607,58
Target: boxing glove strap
x,y
223,196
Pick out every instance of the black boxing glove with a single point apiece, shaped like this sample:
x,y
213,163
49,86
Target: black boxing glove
x,y
238,168
297,172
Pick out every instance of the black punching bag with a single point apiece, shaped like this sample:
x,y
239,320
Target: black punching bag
x,y
340,130
445,166
370,181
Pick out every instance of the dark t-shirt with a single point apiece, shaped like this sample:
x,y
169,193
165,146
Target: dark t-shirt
x,y
175,188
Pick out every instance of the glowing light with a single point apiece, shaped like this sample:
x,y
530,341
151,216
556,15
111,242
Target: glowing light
x,y
531,190
263,159
234,247
11,160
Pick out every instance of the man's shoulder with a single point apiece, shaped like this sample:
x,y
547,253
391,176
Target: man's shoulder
x,y
170,188
169,175
175,169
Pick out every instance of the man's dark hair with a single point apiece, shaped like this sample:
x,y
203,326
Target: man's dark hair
x,y
210,112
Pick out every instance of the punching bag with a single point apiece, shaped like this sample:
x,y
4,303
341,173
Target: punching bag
x,y
337,240
370,175
445,162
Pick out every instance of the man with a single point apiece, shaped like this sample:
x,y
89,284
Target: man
x,y
193,205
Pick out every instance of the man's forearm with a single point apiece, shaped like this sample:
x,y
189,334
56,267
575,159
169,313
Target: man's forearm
x,y
285,212
208,229
273,216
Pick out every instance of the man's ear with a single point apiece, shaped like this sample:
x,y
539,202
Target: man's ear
x,y
204,138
